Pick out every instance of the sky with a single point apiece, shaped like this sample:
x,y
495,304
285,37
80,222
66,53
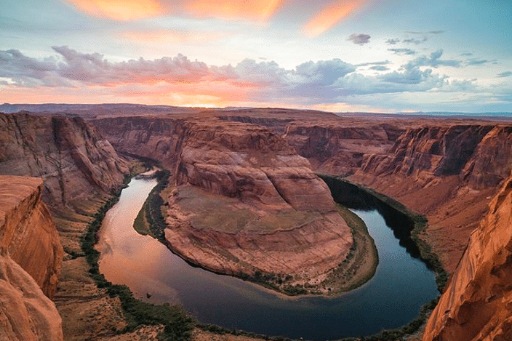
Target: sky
x,y
333,55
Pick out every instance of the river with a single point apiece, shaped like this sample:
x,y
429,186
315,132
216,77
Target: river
x,y
392,298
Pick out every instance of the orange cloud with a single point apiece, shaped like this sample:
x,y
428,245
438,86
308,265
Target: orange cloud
x,y
232,9
120,9
172,36
331,15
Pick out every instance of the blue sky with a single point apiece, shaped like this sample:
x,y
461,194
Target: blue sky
x,y
336,55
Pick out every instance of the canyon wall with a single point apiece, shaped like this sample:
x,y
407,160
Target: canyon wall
x,y
78,166
27,231
80,170
244,202
30,262
477,302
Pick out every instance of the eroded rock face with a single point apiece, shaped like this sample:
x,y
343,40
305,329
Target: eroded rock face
x,y
25,312
477,302
30,263
244,200
78,166
27,231
273,214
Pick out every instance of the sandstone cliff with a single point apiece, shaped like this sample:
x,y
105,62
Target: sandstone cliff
x,y
27,231
244,201
80,170
272,214
446,171
477,302
30,262
78,166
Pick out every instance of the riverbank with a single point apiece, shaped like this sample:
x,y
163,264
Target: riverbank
x,y
410,234
177,324
353,271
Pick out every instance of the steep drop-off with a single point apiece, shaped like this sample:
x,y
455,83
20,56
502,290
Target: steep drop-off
x,y
80,170
447,172
78,166
28,232
244,202
30,261
477,304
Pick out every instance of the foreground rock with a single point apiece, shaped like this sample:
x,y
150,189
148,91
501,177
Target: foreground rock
x,y
80,170
476,303
30,261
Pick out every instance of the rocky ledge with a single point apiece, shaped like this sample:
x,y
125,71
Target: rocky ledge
x,y
30,262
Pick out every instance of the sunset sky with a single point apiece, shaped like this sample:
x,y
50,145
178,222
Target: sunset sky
x,y
335,55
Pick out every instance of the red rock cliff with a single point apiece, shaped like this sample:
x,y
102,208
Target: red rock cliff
x,y
30,262
78,166
27,231
476,305
244,201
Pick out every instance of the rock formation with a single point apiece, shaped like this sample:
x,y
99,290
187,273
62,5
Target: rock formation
x,y
477,304
27,231
30,261
78,166
80,170
244,201
248,203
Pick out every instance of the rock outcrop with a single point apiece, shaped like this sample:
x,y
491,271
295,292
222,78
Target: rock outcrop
x,y
78,166
446,171
30,262
477,304
248,203
80,170
244,201
27,231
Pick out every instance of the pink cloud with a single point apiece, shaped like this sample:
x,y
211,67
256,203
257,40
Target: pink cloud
x,y
331,15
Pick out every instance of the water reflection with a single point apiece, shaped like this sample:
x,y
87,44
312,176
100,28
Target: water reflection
x,y
390,299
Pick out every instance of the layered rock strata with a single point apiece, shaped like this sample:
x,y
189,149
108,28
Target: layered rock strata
x,y
30,262
244,201
78,166
246,198
80,170
477,304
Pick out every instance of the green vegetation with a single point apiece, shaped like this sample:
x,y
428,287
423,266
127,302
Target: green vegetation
x,y
418,225
177,323
150,219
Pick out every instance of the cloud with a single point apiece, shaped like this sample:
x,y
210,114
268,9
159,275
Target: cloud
x,y
393,41
505,74
403,51
476,61
181,81
434,60
331,15
414,41
172,36
247,9
379,68
125,10
120,9
359,39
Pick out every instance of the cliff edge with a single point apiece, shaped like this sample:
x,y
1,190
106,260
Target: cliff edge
x,y
30,262
477,303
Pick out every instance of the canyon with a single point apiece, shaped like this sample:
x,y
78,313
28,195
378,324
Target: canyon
x,y
261,164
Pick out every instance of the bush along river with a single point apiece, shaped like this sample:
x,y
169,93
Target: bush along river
x,y
393,297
